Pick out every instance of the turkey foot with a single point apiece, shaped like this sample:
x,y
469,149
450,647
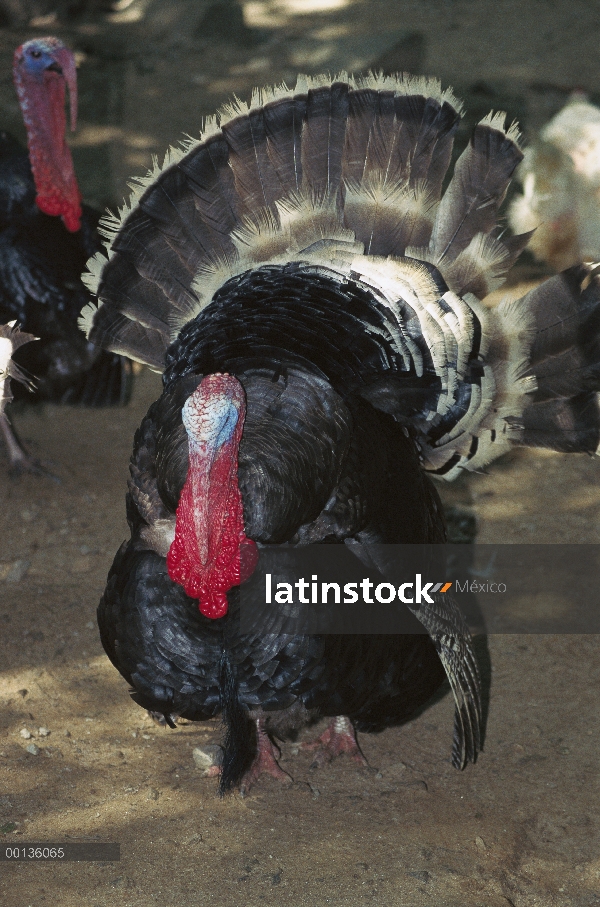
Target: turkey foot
x,y
21,463
338,738
265,761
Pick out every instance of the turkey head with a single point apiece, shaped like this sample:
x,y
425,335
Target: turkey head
x,y
41,69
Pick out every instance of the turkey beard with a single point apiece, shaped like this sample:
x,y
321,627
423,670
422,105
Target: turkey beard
x,y
211,553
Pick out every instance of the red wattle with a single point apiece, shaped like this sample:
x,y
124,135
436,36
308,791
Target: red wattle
x,y
211,552
57,206
43,107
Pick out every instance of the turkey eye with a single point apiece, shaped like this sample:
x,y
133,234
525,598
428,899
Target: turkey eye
x,y
36,54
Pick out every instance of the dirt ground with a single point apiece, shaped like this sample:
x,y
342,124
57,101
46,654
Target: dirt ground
x,y
520,827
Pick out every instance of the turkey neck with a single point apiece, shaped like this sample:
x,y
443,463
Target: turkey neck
x,y
43,107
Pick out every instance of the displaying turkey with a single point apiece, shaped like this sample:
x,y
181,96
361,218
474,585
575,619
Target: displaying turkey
x,y
312,299
46,237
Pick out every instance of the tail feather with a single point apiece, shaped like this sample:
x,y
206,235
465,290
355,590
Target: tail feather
x,y
434,145
565,309
383,135
516,244
173,209
564,412
480,268
124,336
397,151
425,140
567,375
477,188
284,120
387,216
211,179
323,138
363,110
155,259
256,181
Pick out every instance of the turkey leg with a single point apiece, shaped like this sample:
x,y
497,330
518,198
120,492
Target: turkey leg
x,y
339,737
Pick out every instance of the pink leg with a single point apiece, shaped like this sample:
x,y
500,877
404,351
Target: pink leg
x,y
265,761
339,737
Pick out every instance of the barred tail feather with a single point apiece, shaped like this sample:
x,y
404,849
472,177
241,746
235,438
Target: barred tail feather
x,y
284,120
477,188
323,138
367,155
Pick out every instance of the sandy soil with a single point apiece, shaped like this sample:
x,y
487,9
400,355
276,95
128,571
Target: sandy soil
x,y
521,827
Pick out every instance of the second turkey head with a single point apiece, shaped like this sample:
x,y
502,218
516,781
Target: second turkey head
x,y
42,69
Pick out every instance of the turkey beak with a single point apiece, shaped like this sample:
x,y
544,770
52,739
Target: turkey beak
x,y
64,64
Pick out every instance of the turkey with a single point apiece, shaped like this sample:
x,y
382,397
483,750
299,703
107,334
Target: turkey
x,y
561,188
46,237
313,302
11,338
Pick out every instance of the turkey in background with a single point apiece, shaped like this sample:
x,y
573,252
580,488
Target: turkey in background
x,y
313,301
46,238
11,338
560,175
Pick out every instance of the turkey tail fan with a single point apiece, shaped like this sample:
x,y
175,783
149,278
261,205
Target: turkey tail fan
x,y
563,412
334,177
353,163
